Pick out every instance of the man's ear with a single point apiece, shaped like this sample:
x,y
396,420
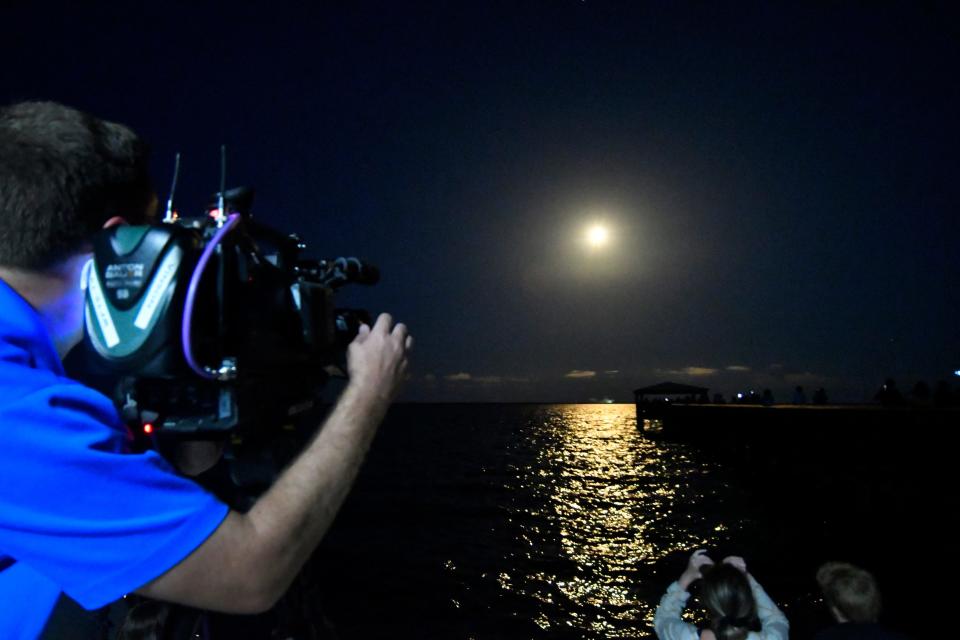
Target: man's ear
x,y
115,221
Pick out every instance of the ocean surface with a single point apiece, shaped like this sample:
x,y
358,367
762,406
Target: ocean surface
x,y
566,521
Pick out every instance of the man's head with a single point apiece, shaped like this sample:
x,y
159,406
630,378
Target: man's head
x,y
850,592
63,174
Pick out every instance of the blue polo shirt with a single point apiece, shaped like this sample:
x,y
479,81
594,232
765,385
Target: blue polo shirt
x,y
79,514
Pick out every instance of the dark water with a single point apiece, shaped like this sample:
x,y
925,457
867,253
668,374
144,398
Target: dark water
x,y
564,521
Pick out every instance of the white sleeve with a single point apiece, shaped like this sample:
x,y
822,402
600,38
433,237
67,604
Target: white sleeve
x,y
666,622
774,624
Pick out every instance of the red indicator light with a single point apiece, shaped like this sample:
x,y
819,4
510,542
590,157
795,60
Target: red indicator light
x,y
214,213
148,428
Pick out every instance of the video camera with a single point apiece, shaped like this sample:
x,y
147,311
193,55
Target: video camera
x,y
215,325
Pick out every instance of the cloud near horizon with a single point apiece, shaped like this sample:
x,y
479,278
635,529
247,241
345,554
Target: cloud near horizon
x,y
578,374
738,367
689,371
463,376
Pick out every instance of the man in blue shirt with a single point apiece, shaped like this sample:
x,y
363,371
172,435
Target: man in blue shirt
x,y
79,513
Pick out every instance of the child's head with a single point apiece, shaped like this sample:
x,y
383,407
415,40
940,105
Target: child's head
x,y
850,592
726,594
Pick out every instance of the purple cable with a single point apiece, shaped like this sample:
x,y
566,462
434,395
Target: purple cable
x,y
232,221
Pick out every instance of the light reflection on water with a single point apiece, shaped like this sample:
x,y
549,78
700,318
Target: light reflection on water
x,y
595,506
562,522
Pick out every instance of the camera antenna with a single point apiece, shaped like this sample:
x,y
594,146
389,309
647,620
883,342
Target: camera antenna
x,y
170,215
221,212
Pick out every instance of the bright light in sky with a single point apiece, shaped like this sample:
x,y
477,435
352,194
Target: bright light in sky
x,y
598,235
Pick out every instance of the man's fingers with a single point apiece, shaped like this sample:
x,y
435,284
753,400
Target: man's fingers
x,y
362,332
409,343
400,331
383,323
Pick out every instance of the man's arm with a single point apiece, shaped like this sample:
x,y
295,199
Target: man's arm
x,y
251,559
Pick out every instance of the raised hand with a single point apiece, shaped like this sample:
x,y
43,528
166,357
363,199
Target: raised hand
x,y
377,357
695,564
736,561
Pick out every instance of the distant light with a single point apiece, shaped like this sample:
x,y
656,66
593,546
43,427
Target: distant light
x,y
957,372
739,396
148,428
214,213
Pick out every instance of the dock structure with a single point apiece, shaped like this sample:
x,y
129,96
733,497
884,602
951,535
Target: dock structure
x,y
684,412
666,391
652,400
790,445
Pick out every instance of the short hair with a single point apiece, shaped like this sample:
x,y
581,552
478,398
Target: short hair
x,y
63,173
850,590
728,598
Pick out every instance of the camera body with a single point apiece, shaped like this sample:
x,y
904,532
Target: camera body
x,y
215,325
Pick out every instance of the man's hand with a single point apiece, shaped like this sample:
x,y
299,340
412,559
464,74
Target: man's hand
x,y
377,357
697,561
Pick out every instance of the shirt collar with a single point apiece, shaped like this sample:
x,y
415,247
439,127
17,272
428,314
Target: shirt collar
x,y
22,334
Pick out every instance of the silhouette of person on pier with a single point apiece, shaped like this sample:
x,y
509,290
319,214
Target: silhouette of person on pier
x,y
889,395
921,393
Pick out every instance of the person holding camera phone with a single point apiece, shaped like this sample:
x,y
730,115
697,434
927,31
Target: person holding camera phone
x,y
737,606
79,513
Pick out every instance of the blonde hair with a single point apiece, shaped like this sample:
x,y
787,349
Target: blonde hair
x,y
852,591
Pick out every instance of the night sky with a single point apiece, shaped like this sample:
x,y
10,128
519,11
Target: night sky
x,y
780,183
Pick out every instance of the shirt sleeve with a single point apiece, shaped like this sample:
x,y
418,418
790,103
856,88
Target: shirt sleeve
x,y
774,624
75,507
666,621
